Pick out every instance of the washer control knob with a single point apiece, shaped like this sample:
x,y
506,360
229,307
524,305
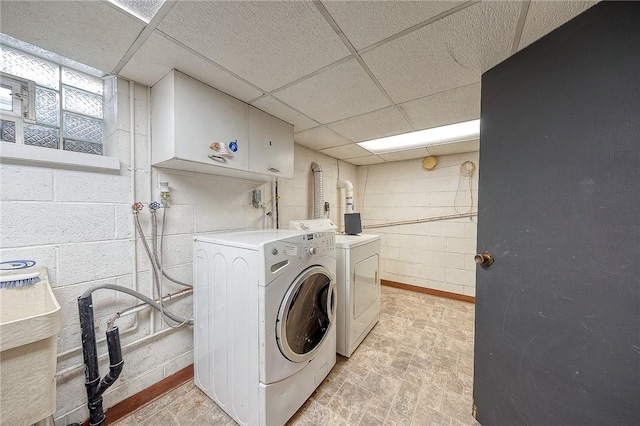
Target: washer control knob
x,y
274,251
313,250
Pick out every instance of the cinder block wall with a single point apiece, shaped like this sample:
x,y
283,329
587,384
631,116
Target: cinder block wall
x,y
79,225
436,255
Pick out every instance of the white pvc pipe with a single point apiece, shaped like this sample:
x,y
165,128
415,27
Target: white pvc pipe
x,y
348,192
132,159
133,188
152,314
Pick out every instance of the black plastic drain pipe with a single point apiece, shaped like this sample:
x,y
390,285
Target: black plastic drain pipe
x,y
95,386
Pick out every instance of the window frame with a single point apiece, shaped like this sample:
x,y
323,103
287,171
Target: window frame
x,y
18,151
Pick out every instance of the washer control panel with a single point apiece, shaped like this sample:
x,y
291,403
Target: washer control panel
x,y
319,243
281,255
311,244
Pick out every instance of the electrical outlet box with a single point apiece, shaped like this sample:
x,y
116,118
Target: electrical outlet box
x,y
256,198
165,194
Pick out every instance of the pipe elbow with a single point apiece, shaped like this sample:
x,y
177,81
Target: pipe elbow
x,y
110,378
315,167
345,184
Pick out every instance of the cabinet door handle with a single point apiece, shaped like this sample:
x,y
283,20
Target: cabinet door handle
x,y
274,170
218,158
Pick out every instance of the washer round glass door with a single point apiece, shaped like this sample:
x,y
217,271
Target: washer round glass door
x,y
306,314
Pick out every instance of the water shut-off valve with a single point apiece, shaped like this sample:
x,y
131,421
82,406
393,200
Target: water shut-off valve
x,y
154,206
136,207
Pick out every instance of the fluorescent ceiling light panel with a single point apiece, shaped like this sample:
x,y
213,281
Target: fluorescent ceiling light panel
x,y
143,9
467,130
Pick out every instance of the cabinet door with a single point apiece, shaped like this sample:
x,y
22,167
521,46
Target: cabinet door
x,y
204,115
271,143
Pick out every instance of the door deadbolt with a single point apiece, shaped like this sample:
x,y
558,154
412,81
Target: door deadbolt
x,y
484,259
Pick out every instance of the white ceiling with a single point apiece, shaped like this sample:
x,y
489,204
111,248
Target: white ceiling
x,y
339,71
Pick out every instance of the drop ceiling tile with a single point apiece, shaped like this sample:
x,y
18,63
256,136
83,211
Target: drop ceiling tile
x,y
341,91
446,54
345,152
455,148
89,32
319,138
409,154
378,124
276,108
268,43
545,16
367,22
365,161
159,55
452,106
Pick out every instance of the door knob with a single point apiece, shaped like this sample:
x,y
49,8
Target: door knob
x,y
484,259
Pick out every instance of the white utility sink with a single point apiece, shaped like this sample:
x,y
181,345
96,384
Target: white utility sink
x,y
29,324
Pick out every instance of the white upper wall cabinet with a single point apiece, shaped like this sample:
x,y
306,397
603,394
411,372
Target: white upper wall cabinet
x,y
271,145
198,128
189,117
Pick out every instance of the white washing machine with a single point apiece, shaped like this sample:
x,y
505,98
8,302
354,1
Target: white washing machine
x,y
358,281
264,310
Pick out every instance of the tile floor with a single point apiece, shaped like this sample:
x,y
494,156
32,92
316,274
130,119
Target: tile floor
x,y
414,368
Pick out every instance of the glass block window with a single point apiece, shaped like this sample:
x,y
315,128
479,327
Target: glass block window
x,y
82,128
8,131
69,104
81,80
21,64
40,136
47,107
82,102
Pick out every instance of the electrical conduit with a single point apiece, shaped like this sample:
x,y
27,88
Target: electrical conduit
x,y
318,205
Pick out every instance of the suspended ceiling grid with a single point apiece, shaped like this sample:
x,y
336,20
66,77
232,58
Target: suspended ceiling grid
x,y
340,71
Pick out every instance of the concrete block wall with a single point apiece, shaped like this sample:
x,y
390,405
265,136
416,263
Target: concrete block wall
x,y
436,255
79,225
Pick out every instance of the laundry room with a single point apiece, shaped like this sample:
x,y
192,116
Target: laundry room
x,y
319,212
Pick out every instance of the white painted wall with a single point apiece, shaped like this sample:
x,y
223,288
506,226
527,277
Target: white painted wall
x,y
436,255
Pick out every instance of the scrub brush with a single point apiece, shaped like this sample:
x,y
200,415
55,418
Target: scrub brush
x,y
19,280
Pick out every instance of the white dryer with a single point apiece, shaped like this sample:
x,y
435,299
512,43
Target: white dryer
x,y
358,281
264,310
